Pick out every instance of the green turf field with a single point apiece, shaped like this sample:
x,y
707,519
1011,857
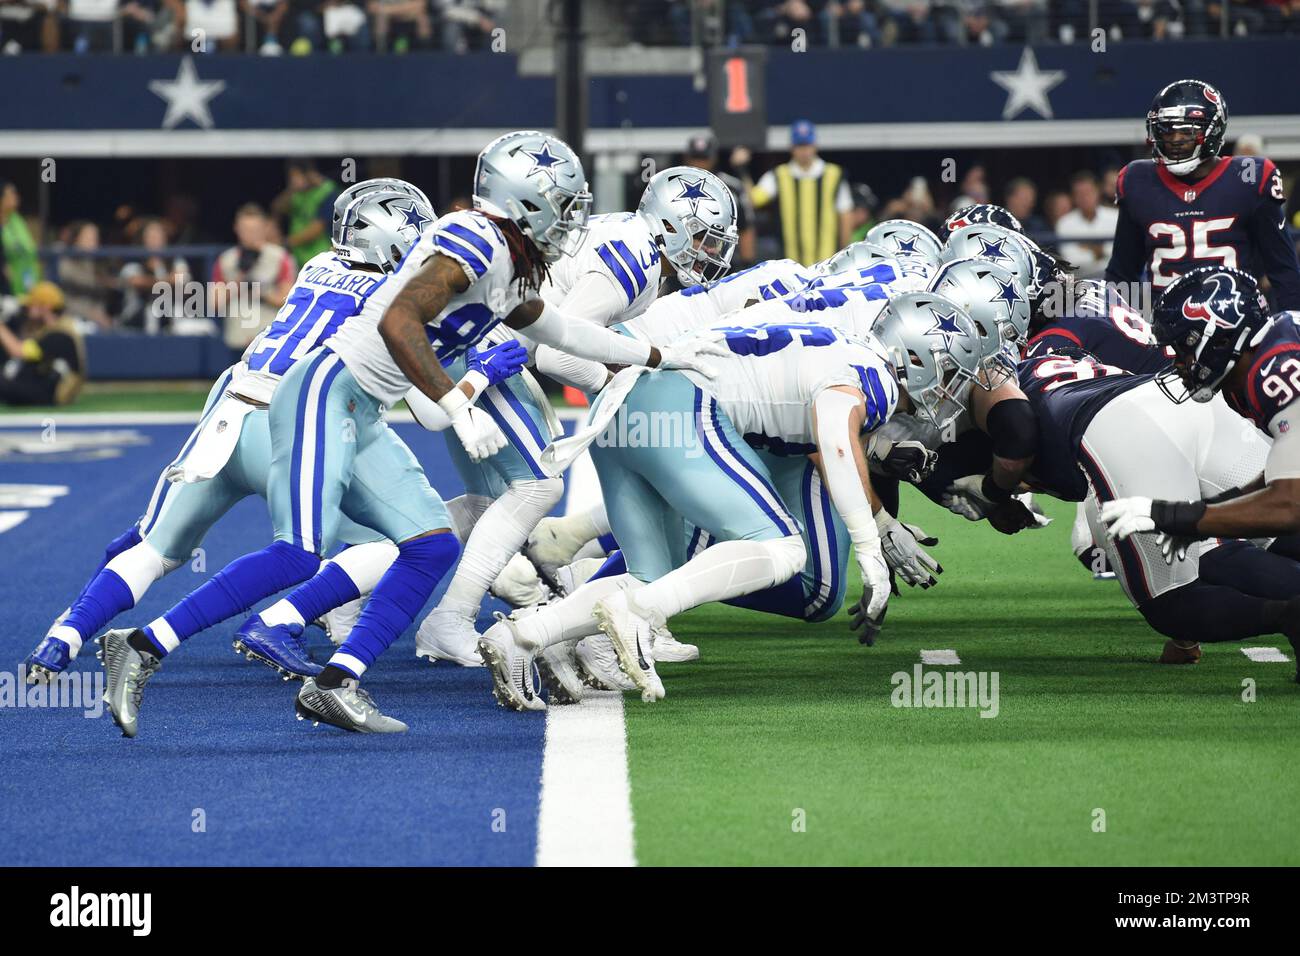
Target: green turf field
x,y
777,717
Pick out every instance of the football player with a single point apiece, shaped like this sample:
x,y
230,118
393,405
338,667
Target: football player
x,y
803,385
1224,341
1188,206
332,449
227,456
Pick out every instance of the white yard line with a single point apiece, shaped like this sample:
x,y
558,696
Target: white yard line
x,y
29,420
585,817
1266,655
940,657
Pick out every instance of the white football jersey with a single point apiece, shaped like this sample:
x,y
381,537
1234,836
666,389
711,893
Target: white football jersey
x,y
851,308
619,247
675,315
773,374
475,242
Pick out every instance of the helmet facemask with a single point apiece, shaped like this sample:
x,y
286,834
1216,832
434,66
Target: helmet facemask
x,y
1177,143
564,236
707,257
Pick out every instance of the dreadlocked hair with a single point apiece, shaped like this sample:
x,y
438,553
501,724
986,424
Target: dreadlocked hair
x,y
531,270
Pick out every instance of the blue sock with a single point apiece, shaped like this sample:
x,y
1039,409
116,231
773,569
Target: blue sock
x,y
607,542
102,599
400,593
613,565
127,539
786,599
329,588
238,586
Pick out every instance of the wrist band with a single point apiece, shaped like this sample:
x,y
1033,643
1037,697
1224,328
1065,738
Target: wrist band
x,y
1178,517
990,490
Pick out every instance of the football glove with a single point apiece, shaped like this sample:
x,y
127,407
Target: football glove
x,y
966,497
693,352
903,552
1126,516
499,362
478,433
907,461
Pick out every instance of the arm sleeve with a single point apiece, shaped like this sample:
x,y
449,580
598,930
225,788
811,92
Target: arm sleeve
x,y
839,463
1274,249
1013,426
1284,457
596,298
556,329
1129,252
568,370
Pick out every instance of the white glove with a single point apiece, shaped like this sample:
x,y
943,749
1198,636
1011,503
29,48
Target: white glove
x,y
1173,547
478,433
903,552
965,497
691,351
875,579
1126,516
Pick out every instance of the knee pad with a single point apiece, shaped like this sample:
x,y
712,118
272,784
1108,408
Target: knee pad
x,y
788,554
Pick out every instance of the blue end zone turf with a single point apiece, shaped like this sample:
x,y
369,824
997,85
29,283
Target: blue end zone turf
x,y
219,745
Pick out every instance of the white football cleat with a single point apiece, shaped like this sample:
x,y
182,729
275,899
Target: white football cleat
x,y
447,636
630,634
518,584
511,666
598,663
553,543
338,623
667,649
575,575
557,666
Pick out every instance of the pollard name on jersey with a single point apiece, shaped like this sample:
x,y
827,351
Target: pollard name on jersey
x,y
696,307
326,293
1066,393
773,373
476,244
620,247
1273,379
1102,323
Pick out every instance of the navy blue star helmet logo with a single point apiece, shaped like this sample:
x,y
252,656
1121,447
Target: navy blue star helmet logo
x,y
1007,293
907,247
992,250
544,162
413,216
694,193
945,325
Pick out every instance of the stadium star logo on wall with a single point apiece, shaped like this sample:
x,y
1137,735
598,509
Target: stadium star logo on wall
x,y
693,192
1027,86
187,96
544,162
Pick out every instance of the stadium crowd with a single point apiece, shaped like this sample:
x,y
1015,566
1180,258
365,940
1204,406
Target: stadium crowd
x,y
301,27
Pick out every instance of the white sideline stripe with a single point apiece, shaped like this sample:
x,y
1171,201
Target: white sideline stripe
x,y
1266,655
585,818
27,420
11,519
940,657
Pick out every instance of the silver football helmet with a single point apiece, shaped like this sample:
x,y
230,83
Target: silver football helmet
x,y
996,244
536,181
379,226
906,238
856,255
935,350
995,301
692,215
357,190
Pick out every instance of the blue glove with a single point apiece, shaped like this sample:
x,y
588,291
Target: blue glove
x,y
500,361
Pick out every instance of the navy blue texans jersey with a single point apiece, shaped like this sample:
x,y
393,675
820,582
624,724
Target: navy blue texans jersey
x,y
1066,393
1100,322
1272,381
1232,217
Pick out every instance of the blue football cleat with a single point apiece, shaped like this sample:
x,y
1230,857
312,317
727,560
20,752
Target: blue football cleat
x,y
280,647
52,656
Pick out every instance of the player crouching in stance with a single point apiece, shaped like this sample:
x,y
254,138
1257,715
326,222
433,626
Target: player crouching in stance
x,y
799,384
1225,342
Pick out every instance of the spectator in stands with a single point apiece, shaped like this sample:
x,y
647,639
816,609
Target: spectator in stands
x,y
1157,19
916,203
86,283
910,21
1110,185
205,26
307,206
251,279
1085,233
409,16
336,25
974,188
143,26
781,18
1021,200
1022,21
143,307
28,25
977,25
1055,205
44,357
22,264
850,23
1248,144
702,153
89,25
467,24
266,20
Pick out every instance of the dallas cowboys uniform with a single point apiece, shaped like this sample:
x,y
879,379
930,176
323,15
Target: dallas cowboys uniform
x,y
1105,433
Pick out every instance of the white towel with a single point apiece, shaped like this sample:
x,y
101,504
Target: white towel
x,y
560,454
214,445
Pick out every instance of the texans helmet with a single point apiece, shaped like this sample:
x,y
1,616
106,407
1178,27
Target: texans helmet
x,y
981,213
1207,316
1186,125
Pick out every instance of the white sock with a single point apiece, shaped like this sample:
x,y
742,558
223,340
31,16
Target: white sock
x,y
465,512
728,569
571,619
497,536
365,564
281,612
